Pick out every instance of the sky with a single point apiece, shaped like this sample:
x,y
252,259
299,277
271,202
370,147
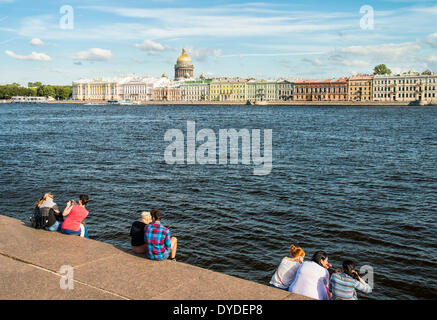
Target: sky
x,y
57,42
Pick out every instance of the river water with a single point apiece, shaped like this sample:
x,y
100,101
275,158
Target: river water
x,y
357,182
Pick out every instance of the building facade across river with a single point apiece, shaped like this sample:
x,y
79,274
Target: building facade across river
x,y
405,87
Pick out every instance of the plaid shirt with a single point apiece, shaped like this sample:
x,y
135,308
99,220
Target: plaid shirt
x,y
343,287
157,239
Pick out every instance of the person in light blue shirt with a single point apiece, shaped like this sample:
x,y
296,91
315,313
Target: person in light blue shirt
x,y
344,285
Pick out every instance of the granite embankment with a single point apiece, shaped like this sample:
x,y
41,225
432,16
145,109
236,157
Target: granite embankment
x,y
240,103
31,261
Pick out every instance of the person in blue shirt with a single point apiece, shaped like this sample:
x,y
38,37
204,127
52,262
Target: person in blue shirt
x,y
344,284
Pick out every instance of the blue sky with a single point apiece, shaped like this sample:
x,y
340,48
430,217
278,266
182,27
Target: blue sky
x,y
265,39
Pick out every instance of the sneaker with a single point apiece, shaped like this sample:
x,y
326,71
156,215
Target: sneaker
x,y
173,259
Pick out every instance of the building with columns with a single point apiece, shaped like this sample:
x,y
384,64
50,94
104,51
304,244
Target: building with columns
x,y
184,68
136,89
406,87
95,90
195,90
261,90
285,90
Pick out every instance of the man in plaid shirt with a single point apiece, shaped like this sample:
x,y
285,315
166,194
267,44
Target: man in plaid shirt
x,y
159,244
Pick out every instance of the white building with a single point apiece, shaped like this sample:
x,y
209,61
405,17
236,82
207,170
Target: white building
x,y
97,89
194,91
131,87
405,87
136,88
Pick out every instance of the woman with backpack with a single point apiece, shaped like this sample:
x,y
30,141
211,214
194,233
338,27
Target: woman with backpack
x,y
46,214
75,214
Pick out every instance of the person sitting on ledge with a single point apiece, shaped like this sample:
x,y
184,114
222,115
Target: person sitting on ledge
x,y
312,278
137,233
159,244
344,284
76,213
46,214
287,270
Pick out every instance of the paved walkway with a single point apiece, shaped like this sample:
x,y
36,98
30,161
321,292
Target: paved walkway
x,y
30,263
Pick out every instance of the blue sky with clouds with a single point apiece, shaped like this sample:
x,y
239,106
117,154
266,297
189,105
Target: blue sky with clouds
x,y
266,39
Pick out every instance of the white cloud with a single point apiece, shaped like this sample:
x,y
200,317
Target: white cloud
x,y
315,62
341,60
432,40
139,61
202,54
94,54
152,46
34,56
36,42
391,50
432,58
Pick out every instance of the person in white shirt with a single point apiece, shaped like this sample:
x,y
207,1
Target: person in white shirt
x,y
312,278
286,271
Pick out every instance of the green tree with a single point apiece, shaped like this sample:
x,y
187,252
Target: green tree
x,y
381,69
10,90
63,92
46,91
34,84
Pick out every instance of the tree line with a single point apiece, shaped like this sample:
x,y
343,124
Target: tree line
x,y
35,89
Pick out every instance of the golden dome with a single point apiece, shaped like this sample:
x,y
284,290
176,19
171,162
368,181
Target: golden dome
x,y
184,57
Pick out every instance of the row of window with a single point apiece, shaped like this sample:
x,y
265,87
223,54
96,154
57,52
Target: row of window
x,y
321,90
405,81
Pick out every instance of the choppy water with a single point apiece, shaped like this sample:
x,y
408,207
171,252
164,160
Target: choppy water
x,y
357,182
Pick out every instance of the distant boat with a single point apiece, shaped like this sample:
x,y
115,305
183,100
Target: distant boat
x,y
20,99
125,102
113,102
421,103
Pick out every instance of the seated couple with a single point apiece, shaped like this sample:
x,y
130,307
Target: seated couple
x,y
47,216
149,236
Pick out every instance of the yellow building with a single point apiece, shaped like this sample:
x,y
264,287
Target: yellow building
x,y
360,88
227,89
99,90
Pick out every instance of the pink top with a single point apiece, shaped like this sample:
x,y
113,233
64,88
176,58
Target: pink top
x,y
74,218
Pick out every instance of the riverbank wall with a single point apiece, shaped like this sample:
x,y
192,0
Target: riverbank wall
x,y
44,265
228,103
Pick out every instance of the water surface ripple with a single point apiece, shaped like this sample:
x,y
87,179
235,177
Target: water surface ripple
x,y
357,182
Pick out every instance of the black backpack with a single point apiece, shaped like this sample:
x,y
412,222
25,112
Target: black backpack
x,y
42,218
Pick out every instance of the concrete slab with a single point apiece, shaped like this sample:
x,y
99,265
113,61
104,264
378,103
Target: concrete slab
x,y
22,281
30,260
49,249
136,277
217,286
